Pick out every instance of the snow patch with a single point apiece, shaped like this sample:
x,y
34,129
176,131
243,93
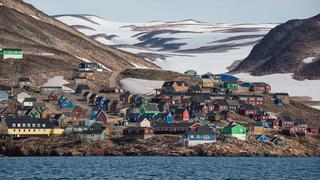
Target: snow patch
x,y
309,60
35,17
138,66
58,81
285,83
316,107
140,86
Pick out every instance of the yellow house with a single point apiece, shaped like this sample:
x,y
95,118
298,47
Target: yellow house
x,y
144,123
207,83
27,126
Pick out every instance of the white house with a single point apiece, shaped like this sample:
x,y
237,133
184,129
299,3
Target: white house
x,y
22,96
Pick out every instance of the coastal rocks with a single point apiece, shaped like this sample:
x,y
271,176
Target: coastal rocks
x,y
160,145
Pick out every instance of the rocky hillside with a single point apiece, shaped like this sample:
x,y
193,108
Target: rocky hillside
x,y
50,45
292,47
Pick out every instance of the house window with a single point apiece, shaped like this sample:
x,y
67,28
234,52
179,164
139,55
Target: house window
x,y
23,125
13,125
198,136
18,125
191,136
205,137
43,125
28,125
33,125
38,125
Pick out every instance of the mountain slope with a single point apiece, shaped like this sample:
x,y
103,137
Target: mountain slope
x,y
292,47
51,46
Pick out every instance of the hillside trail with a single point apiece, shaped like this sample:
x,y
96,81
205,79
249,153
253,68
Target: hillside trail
x,y
113,79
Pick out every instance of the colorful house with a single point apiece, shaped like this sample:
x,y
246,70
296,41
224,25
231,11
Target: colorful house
x,y
102,101
52,97
260,87
81,88
143,122
24,82
11,54
79,112
93,135
102,116
33,113
202,135
67,104
149,109
138,132
61,99
22,96
263,138
207,83
26,126
277,141
191,72
231,84
4,96
236,131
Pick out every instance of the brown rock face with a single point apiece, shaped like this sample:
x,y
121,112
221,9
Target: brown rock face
x,y
284,48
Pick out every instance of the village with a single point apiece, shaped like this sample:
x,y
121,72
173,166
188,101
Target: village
x,y
218,106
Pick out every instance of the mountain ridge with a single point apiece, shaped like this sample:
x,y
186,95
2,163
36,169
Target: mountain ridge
x,y
284,49
45,38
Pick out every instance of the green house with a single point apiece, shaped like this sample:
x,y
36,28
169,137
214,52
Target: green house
x,y
149,109
277,141
191,72
236,131
231,84
33,113
9,54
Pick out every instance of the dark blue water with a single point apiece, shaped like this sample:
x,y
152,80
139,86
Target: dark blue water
x,y
158,168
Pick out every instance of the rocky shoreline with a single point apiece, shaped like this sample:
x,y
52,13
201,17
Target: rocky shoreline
x,y
164,145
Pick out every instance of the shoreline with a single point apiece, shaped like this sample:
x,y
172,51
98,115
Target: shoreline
x,y
160,146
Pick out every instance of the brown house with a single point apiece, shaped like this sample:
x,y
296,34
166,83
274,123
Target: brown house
x,y
178,86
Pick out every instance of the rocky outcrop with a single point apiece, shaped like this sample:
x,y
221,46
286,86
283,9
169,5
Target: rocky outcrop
x,y
163,145
285,50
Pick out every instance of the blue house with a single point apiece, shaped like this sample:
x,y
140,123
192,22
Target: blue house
x,y
226,77
4,96
82,88
95,110
263,138
67,104
163,117
262,124
203,135
102,101
61,99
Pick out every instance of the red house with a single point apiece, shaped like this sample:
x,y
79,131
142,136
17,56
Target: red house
x,y
260,87
138,132
182,114
263,117
313,130
286,122
274,123
247,110
294,131
78,112
102,116
252,99
52,97
220,105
